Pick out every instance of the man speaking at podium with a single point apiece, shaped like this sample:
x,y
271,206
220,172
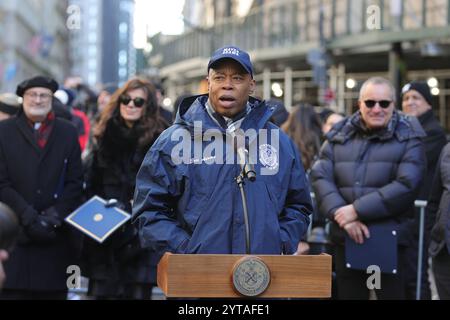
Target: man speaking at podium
x,y
187,198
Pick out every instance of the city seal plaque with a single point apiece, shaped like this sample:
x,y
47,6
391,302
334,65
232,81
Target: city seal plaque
x,y
251,276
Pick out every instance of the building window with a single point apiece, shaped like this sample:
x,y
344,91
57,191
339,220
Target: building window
x,y
92,52
92,38
123,59
122,73
123,32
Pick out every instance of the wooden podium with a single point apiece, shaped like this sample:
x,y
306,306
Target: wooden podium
x,y
212,276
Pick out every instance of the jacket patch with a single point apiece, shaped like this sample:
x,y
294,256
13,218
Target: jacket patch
x,y
268,156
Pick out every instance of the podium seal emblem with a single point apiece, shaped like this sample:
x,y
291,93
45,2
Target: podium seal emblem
x,y
251,276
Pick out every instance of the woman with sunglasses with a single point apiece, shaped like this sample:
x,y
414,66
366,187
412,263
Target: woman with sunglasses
x,y
128,126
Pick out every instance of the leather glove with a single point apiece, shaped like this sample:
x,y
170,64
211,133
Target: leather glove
x,y
52,217
42,230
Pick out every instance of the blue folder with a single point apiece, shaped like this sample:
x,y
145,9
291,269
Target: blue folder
x,y
97,221
379,250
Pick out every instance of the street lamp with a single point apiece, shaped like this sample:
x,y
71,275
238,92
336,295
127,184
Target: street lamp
x,y
350,84
433,82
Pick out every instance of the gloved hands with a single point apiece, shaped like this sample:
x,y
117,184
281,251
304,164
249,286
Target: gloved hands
x,y
43,228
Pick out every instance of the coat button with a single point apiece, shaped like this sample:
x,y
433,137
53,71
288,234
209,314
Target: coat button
x,y
39,191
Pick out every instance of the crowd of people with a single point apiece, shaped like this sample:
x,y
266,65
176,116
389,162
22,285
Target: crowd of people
x,y
62,144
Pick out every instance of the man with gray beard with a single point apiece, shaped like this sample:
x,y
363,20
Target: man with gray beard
x,y
41,180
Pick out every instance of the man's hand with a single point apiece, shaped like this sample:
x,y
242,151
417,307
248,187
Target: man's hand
x,y
3,257
357,231
345,215
302,249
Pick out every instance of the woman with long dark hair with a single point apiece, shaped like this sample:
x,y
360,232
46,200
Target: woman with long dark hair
x,y
119,268
303,126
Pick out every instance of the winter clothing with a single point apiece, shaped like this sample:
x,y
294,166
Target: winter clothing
x,y
39,81
194,207
420,87
380,173
42,185
119,267
438,211
371,170
433,143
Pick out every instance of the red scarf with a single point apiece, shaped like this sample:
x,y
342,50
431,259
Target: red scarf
x,y
43,132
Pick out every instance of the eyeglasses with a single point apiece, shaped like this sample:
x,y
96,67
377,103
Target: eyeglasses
x,y
42,96
138,102
382,103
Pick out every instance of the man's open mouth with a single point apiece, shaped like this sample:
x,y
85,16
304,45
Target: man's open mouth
x,y
227,99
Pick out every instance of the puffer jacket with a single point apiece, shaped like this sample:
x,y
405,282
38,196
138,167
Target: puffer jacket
x,y
196,206
380,173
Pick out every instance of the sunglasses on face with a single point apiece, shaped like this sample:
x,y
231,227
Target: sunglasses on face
x,y
382,103
138,102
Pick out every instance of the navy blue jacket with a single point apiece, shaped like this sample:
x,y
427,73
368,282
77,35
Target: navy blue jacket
x,y
379,173
194,207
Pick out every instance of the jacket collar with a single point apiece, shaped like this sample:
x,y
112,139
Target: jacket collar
x,y
27,132
193,109
426,116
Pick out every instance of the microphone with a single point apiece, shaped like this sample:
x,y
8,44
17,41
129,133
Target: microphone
x,y
239,143
248,169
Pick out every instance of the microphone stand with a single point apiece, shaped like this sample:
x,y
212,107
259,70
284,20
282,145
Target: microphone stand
x,y
247,172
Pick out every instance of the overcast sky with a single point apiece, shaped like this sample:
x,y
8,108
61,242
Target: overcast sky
x,y
155,16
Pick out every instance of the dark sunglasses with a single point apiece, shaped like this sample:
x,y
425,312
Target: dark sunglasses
x,y
138,102
383,103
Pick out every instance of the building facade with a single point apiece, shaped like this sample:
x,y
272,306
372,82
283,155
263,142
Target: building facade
x,y
31,43
85,39
102,44
320,51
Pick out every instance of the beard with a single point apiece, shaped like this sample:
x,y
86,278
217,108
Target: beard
x,y
38,112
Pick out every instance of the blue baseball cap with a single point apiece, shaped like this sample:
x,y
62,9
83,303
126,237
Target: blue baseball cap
x,y
231,52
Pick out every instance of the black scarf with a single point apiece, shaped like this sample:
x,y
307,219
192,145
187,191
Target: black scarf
x,y
117,142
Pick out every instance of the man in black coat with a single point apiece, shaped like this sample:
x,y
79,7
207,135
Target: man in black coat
x,y
41,180
368,174
438,209
417,101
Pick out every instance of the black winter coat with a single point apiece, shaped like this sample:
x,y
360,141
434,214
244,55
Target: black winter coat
x,y
438,208
379,173
434,141
32,180
111,172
